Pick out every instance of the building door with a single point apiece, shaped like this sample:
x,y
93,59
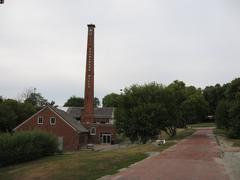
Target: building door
x,y
60,143
106,138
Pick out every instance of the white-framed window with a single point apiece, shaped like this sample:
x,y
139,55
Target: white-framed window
x,y
52,120
40,120
93,131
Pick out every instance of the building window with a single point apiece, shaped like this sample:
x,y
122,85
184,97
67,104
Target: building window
x,y
40,120
93,131
52,120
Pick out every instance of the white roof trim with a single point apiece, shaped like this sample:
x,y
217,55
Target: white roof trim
x,y
63,119
41,111
29,118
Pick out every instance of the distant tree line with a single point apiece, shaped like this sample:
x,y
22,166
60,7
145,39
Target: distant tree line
x,y
143,111
225,104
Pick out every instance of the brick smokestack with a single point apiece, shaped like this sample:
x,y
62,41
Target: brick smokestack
x,y
88,115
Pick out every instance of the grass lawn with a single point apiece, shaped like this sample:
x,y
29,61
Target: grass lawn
x,y
182,133
199,125
222,132
83,164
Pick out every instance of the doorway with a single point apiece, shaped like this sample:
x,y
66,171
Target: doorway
x,y
106,138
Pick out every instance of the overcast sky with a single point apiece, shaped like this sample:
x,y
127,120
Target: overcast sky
x,y
43,44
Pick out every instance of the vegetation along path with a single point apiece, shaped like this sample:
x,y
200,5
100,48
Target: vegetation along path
x,y
197,157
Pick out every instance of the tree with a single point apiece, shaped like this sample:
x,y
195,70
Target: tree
x,y
96,102
194,108
222,115
13,113
178,93
74,101
36,100
22,110
228,110
234,118
143,111
110,100
232,89
7,118
137,111
213,95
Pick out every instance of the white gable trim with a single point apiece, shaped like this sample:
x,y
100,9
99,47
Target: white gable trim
x,y
41,111
29,118
63,119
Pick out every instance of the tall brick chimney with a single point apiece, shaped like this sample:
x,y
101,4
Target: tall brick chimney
x,y
88,115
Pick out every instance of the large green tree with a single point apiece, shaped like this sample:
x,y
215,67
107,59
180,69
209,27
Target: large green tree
x,y
228,109
75,101
213,95
13,112
194,108
110,100
7,118
143,111
222,114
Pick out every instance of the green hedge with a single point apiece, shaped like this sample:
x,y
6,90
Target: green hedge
x,y
25,146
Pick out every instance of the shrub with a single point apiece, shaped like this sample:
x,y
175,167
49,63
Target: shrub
x,y
25,146
222,114
234,131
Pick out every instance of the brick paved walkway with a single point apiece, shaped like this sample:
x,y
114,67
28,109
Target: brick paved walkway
x,y
194,158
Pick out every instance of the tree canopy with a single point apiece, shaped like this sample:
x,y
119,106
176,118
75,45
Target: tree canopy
x,y
75,101
110,100
228,108
13,112
145,110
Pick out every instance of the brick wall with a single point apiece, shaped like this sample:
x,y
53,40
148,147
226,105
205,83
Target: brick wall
x,y
100,128
61,129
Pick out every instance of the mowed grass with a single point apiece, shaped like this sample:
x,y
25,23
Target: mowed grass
x,y
85,165
199,125
182,133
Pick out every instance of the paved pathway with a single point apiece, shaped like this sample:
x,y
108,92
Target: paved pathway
x,y
197,157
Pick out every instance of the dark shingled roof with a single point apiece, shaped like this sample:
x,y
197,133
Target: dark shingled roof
x,y
104,112
70,119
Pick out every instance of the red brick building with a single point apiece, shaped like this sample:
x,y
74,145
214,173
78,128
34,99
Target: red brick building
x,y
66,125
76,126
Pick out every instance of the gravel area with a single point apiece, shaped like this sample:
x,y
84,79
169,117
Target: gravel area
x,y
231,158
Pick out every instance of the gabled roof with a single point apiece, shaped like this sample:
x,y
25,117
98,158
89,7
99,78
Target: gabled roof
x,y
70,119
104,112
76,125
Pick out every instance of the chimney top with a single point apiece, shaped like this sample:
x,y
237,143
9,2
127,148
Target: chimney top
x,y
91,25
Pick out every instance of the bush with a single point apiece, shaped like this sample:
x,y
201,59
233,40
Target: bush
x,y
25,146
234,131
222,115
